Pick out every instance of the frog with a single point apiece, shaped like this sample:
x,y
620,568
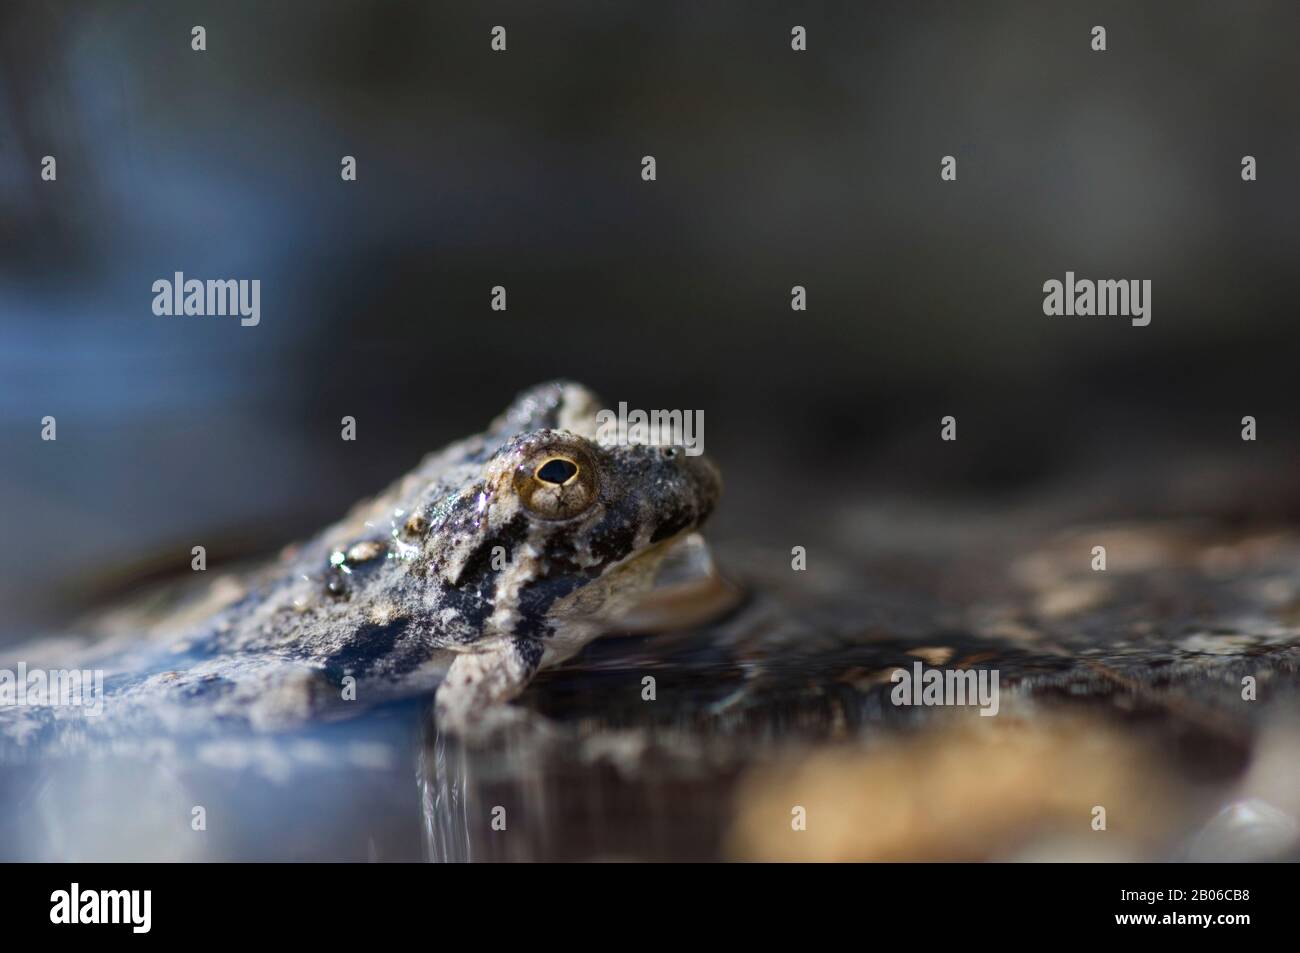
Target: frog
x,y
504,553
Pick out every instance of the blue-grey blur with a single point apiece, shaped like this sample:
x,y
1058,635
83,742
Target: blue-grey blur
x,y
523,169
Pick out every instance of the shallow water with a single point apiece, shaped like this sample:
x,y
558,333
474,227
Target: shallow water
x,y
1120,690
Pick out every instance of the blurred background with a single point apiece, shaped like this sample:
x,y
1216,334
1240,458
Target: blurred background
x,y
522,169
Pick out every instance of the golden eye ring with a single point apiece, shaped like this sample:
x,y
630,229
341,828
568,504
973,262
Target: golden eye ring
x,y
558,483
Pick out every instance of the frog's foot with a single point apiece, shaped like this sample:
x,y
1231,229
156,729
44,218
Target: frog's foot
x,y
480,682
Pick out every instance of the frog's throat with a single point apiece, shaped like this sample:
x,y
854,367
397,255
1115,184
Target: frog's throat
x,y
689,590
670,585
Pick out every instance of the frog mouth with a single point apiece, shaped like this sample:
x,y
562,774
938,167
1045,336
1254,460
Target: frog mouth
x,y
688,591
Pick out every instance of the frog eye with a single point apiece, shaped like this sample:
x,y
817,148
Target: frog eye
x,y
557,471
557,485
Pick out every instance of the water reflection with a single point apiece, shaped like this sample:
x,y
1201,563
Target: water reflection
x,y
784,702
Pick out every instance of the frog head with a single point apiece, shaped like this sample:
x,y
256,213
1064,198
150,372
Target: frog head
x,y
559,534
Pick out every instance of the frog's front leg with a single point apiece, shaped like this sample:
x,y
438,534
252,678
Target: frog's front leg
x,y
485,678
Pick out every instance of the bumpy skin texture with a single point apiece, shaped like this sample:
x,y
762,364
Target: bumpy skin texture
x,y
451,562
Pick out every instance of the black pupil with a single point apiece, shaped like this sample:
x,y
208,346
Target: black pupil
x,y
557,471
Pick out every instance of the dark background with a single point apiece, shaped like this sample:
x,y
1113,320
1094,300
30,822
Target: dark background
x,y
523,169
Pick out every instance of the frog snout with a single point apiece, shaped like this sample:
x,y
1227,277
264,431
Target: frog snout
x,y
707,483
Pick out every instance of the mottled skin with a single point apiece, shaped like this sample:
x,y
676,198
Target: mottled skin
x,y
471,557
